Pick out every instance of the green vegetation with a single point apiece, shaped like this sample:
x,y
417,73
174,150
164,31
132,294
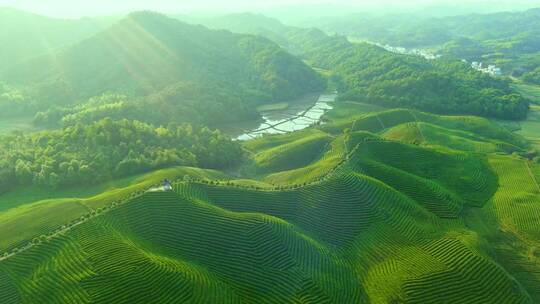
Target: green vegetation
x,y
532,76
88,154
379,202
530,128
23,124
530,91
33,211
293,154
273,107
508,220
369,74
180,73
388,214
508,39
24,35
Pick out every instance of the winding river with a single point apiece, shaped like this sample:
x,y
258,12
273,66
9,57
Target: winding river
x,y
285,121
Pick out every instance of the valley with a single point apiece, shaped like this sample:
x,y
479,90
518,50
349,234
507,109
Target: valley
x,y
157,158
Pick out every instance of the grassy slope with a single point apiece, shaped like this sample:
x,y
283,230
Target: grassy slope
x,y
332,156
377,220
508,224
530,128
530,91
294,154
430,134
41,210
257,246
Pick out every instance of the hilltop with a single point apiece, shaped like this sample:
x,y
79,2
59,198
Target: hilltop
x,y
146,52
150,55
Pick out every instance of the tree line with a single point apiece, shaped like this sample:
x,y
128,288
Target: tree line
x,y
107,149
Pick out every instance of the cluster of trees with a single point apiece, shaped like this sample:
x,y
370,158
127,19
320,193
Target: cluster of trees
x,y
13,102
441,86
108,149
207,104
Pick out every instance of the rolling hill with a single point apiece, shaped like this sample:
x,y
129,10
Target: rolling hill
x,y
379,214
378,202
147,52
409,30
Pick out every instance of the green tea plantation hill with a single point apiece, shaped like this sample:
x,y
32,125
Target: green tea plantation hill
x,y
380,211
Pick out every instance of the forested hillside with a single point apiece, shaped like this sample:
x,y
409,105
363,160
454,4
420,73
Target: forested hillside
x,y
509,39
363,72
96,152
148,54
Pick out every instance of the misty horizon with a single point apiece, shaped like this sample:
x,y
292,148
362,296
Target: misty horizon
x,y
313,8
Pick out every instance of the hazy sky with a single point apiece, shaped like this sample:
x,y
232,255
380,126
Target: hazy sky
x,y
74,8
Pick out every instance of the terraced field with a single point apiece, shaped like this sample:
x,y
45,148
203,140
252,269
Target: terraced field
x,y
39,211
295,154
530,128
531,91
388,207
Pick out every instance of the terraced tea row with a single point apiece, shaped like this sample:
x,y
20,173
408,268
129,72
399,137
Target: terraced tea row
x,y
362,219
516,202
334,211
467,278
441,181
164,248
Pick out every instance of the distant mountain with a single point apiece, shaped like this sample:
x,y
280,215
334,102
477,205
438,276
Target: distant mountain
x,y
147,52
510,40
297,40
244,23
238,23
414,30
25,35
367,73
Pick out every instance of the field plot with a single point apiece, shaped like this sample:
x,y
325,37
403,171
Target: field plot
x,y
529,90
517,201
530,128
511,221
193,252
